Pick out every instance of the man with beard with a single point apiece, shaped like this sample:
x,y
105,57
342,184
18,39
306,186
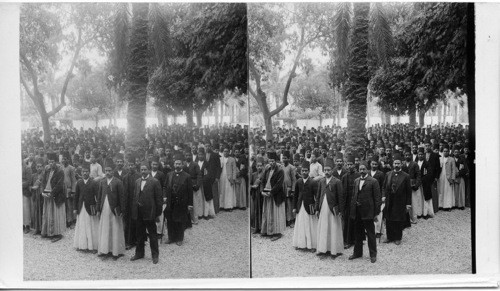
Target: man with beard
x,y
462,172
273,208
36,196
160,176
194,172
365,206
289,180
70,187
179,195
87,222
397,196
227,181
111,202
54,209
339,172
348,187
146,209
447,181
120,172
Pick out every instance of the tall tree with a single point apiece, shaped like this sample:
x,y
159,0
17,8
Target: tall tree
x,y
277,30
364,39
48,33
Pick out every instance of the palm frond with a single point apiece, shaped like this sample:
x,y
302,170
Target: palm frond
x,y
342,24
380,33
159,35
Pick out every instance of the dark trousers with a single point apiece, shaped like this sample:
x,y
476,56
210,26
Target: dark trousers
x,y
141,226
130,230
394,230
435,197
360,225
175,229
70,217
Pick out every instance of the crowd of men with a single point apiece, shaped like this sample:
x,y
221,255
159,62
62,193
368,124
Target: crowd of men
x,y
335,196
117,198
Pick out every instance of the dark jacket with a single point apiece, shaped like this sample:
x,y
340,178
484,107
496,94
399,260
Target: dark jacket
x,y
414,172
194,172
57,184
214,168
379,176
149,201
334,195
160,176
179,194
397,193
366,200
277,191
336,174
305,192
26,180
434,169
427,179
115,193
85,193
122,176
206,181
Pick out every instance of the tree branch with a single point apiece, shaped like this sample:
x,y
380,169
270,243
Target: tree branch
x,y
69,75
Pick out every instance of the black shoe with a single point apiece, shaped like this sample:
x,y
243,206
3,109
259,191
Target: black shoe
x,y
179,243
378,235
373,259
155,261
115,258
352,257
136,257
276,237
56,238
397,242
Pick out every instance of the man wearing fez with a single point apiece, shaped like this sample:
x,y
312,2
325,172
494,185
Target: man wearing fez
x,y
227,185
426,188
330,204
348,187
146,210
85,209
447,181
273,208
54,209
255,193
160,176
379,176
36,196
365,206
111,203
397,196
305,230
179,194
70,186
289,183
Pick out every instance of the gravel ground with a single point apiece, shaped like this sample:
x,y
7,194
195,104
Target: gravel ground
x,y
211,249
441,245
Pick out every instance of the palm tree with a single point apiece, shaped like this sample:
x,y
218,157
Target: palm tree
x,y
368,35
141,46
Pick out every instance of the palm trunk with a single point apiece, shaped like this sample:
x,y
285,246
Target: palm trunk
x,y
189,118
138,76
357,86
421,117
413,114
199,118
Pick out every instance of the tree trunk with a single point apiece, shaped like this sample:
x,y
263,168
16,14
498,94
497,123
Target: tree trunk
x,y
46,127
412,112
199,118
269,127
96,120
455,115
189,118
421,117
439,111
357,86
138,76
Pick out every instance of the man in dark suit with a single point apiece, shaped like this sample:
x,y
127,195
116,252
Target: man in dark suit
x,y
111,202
193,170
304,205
365,206
213,173
129,187
85,200
434,170
160,176
54,197
379,176
411,168
273,198
120,172
397,196
427,180
179,194
146,209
